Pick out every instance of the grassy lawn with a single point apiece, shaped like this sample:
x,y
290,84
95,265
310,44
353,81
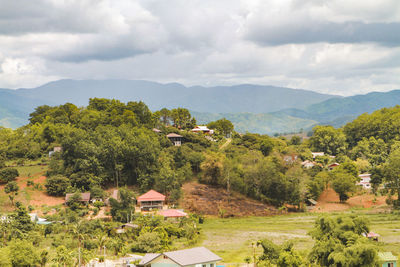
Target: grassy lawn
x,y
232,238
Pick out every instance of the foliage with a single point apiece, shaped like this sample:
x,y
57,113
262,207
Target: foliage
x,y
57,185
339,241
328,139
8,175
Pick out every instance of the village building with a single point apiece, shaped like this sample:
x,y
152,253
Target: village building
x,y
333,165
56,149
317,154
85,197
176,139
151,200
290,159
172,213
308,164
365,181
156,130
193,257
202,129
387,259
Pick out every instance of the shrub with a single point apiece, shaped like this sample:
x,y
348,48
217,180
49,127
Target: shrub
x,y
8,175
56,185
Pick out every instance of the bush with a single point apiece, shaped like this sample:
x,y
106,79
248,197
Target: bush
x,y
29,183
8,175
56,185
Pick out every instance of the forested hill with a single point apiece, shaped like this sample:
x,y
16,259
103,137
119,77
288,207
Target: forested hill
x,y
15,105
251,108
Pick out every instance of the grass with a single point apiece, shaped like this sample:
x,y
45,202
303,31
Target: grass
x,y
232,238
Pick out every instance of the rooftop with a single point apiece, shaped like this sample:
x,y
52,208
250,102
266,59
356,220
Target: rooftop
x,y
172,213
173,135
185,257
386,256
84,196
151,195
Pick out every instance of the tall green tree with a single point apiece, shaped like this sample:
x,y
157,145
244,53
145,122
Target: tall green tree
x,y
329,140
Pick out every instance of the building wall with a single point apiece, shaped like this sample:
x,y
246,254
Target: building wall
x,y
386,264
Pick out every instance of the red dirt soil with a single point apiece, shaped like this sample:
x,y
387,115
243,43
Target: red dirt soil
x,y
329,201
209,200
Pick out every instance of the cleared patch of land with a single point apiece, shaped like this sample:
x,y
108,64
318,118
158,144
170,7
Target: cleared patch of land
x,y
209,200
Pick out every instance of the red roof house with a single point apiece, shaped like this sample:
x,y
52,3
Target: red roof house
x,y
172,213
151,200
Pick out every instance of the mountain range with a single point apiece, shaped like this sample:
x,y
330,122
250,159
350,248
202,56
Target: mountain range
x,y
253,108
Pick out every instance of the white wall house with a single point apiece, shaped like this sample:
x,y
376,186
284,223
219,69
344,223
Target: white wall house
x,y
365,180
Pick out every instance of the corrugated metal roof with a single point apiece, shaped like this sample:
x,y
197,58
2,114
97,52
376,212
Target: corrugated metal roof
x,y
184,257
192,256
84,196
386,256
148,258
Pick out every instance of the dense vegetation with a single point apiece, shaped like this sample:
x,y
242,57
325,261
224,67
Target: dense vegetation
x,y
115,144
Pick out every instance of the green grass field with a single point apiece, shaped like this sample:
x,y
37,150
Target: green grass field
x,y
232,238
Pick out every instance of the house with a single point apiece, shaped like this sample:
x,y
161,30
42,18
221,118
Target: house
x,y
193,257
307,164
85,197
365,180
372,236
175,138
387,259
151,200
317,154
156,130
202,129
55,149
172,213
332,166
290,159
36,219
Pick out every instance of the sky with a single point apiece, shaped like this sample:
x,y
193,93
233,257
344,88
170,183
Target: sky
x,y
329,46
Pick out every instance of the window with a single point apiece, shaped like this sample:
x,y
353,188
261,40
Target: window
x,y
203,265
390,264
211,264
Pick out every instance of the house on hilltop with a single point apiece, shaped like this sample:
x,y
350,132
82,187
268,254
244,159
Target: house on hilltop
x,y
193,257
202,129
176,139
151,200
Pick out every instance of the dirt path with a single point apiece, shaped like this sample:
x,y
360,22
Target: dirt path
x,y
224,145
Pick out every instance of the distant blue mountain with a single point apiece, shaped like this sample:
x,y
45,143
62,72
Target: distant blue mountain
x,y
254,108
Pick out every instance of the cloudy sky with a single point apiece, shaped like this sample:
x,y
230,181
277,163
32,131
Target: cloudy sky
x,y
332,46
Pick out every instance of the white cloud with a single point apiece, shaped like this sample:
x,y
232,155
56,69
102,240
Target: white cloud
x,y
334,46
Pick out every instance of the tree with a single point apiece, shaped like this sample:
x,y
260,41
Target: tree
x,y
5,260
182,118
222,126
63,256
343,183
212,168
56,185
123,209
392,174
339,241
11,189
329,140
8,175
23,253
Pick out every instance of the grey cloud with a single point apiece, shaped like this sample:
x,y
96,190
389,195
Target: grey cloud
x,y
387,34
43,16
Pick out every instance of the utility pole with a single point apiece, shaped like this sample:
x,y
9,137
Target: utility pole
x,y
105,264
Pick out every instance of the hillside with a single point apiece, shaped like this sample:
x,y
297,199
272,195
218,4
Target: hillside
x,y
251,108
222,99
